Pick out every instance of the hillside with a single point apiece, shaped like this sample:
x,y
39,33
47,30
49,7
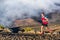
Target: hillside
x,y
25,22
54,17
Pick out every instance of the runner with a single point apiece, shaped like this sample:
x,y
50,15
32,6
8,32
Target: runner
x,y
44,23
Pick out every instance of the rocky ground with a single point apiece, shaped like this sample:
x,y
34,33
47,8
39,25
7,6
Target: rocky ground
x,y
30,35
12,36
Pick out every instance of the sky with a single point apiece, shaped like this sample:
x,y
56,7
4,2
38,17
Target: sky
x,y
10,10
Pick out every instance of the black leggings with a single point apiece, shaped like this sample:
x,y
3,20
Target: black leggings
x,y
45,25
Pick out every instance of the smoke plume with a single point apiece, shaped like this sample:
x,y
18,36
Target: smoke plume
x,y
13,9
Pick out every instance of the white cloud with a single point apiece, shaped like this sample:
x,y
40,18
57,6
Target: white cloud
x,y
13,9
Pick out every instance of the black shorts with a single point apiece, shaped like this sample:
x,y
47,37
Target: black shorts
x,y
45,25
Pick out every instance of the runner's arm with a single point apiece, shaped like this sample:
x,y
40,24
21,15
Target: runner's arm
x,y
46,19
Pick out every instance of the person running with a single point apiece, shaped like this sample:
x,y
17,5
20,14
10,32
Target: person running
x,y
44,23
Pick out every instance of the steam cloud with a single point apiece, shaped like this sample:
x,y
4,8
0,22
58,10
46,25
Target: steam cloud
x,y
12,9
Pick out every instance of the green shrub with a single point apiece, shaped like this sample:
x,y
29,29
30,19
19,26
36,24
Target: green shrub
x,y
27,29
1,26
